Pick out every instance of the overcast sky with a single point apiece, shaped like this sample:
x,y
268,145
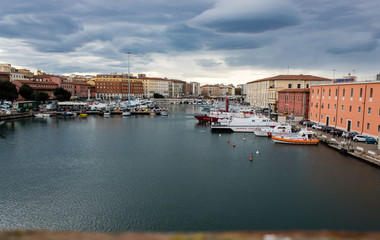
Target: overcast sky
x,y
208,41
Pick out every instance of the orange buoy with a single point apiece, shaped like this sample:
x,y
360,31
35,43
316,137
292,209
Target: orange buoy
x,y
228,141
233,145
251,158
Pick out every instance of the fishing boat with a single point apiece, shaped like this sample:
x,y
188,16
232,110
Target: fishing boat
x,y
239,124
302,137
279,130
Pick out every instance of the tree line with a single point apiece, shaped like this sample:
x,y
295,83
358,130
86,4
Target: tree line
x,y
8,91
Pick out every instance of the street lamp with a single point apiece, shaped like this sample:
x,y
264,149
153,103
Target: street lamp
x,y
129,82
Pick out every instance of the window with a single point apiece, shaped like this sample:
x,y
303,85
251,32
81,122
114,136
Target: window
x,y
289,85
333,119
298,85
342,108
352,92
370,92
361,92
350,108
336,92
329,92
334,106
359,109
341,120
368,126
358,124
369,111
378,128
307,85
323,93
328,106
344,92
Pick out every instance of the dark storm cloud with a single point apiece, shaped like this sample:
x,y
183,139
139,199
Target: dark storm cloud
x,y
244,33
248,16
360,47
41,26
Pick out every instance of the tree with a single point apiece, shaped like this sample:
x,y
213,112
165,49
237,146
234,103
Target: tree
x,y
8,91
157,95
62,94
26,91
40,96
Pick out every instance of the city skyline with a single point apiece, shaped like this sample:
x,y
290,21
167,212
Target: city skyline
x,y
203,41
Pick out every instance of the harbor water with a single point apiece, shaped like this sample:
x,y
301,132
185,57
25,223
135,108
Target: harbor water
x,y
169,174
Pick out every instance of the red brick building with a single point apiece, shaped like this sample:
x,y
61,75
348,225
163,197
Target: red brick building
x,y
294,102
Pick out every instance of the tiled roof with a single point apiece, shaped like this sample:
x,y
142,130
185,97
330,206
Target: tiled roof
x,y
293,77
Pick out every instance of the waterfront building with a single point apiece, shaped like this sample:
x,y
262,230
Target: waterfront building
x,y
210,90
347,106
114,86
176,88
193,89
7,68
294,102
154,85
4,76
263,93
37,86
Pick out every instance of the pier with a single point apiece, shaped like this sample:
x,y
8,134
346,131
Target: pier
x,y
365,152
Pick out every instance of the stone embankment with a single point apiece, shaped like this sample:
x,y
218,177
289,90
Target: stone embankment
x,y
366,152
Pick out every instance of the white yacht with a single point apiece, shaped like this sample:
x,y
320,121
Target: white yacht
x,y
248,124
279,130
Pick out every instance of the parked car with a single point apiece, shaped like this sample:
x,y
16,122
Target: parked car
x,y
327,129
317,126
337,132
370,140
359,138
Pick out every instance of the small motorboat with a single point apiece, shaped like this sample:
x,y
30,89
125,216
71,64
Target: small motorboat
x,y
127,112
164,113
302,137
279,130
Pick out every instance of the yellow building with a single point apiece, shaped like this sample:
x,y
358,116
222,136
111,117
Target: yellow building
x,y
263,93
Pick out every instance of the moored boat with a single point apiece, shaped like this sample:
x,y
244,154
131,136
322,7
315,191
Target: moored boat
x,y
279,130
238,124
302,137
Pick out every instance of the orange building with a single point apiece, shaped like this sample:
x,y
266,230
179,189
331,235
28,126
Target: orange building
x,y
347,106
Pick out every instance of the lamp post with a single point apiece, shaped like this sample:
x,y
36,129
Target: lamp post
x,y
129,82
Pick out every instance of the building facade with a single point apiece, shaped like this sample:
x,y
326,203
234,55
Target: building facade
x,y
115,86
263,93
347,106
155,85
38,86
294,102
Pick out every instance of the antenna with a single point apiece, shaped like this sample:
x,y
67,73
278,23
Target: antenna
x,y
288,70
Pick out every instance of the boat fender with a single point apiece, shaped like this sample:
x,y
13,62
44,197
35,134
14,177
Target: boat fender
x,y
283,130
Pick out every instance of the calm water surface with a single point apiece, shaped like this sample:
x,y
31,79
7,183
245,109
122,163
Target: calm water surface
x,y
169,174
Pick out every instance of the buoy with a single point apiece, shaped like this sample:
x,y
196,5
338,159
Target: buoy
x,y
233,145
257,152
250,158
220,135
228,141
243,139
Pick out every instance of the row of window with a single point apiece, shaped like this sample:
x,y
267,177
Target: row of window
x,y
342,108
343,93
368,125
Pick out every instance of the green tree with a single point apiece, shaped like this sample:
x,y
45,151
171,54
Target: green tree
x,y
40,96
157,95
8,91
62,94
26,91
